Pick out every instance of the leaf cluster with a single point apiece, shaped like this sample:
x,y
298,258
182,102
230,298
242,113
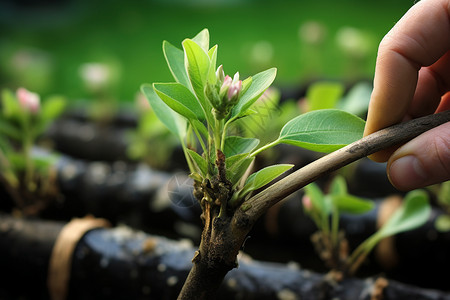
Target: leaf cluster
x,y
19,129
186,109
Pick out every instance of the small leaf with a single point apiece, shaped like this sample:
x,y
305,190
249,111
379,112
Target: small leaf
x,y
351,204
51,109
236,145
202,39
442,223
338,186
324,95
175,61
318,200
180,99
237,170
232,160
200,127
173,121
212,53
199,161
259,83
10,105
197,67
263,177
322,130
356,101
413,213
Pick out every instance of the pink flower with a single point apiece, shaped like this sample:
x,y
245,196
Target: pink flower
x,y
234,89
307,204
28,101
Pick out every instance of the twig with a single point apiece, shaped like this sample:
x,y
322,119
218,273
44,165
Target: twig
x,y
382,139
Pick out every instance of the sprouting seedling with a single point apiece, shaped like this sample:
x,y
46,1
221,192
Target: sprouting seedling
x,y
202,105
201,108
331,244
325,211
23,118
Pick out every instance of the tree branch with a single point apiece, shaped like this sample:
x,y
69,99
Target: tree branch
x,y
382,139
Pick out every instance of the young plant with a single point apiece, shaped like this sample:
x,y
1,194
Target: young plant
x,y
25,172
201,108
325,211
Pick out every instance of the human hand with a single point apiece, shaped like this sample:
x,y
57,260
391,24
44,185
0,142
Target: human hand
x,y
412,79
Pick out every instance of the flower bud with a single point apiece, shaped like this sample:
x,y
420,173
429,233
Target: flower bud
x,y
307,204
28,101
233,91
225,86
212,95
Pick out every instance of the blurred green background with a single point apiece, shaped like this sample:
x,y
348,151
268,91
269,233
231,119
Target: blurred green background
x,y
73,47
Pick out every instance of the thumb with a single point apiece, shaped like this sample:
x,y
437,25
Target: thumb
x,y
423,161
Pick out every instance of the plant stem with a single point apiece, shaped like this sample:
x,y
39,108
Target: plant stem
x,y
218,127
224,134
334,227
265,147
29,168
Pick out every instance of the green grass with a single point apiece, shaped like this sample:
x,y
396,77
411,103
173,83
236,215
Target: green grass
x,y
129,34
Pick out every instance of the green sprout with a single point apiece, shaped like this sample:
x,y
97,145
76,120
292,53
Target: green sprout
x,y
330,242
202,106
23,118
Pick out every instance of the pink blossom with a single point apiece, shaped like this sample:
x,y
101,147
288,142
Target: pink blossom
x,y
29,101
307,204
234,89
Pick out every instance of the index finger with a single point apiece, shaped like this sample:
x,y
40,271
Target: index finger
x,y
418,40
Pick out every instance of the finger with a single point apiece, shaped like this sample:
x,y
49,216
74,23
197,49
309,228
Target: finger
x,y
419,39
434,82
423,161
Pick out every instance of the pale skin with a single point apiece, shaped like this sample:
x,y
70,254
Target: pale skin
x,y
412,79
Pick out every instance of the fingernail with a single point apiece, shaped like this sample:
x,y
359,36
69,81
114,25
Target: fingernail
x,y
406,173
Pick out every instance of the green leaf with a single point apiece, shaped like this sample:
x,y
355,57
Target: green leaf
x,y
263,177
202,39
200,162
51,109
236,145
173,121
232,160
413,213
180,99
237,170
10,105
17,161
324,95
197,67
322,130
212,53
442,223
338,186
200,127
175,61
318,200
356,101
259,83
351,204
